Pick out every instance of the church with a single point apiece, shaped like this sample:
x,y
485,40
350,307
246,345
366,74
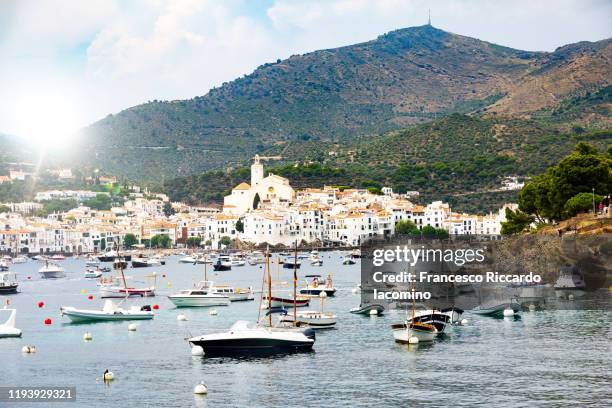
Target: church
x,y
263,191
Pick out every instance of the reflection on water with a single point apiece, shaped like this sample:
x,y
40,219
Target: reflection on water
x,y
553,356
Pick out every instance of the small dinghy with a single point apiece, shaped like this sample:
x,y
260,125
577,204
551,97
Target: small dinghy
x,y
8,329
367,309
497,310
109,312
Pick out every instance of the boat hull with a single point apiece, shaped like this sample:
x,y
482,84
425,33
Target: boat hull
x,y
317,291
367,309
83,317
198,301
402,335
497,311
5,290
118,292
222,267
52,275
282,302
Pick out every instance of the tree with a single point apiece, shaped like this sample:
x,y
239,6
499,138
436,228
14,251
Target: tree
x,y
581,202
193,241
240,225
129,240
406,227
225,240
516,222
168,210
4,209
101,202
161,241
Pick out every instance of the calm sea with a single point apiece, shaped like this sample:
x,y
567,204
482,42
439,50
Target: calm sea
x,y
545,358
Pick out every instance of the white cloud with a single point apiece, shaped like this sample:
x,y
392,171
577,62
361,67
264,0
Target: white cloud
x,y
109,54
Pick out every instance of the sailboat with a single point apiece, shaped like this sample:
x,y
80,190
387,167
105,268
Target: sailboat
x,y
246,339
201,296
424,332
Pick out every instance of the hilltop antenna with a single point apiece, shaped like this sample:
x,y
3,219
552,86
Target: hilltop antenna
x,y
429,17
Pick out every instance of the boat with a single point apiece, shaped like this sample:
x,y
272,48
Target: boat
x,y
315,287
441,321
347,260
8,283
290,263
234,294
238,260
4,266
367,309
92,273
199,297
8,329
92,262
20,259
223,263
203,295
310,318
110,289
119,264
415,327
51,271
356,253
143,262
58,257
188,260
496,310
256,258
110,312
245,339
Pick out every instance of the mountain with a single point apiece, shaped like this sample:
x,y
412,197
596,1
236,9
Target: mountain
x,y
400,79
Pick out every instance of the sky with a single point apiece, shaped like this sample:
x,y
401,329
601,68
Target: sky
x,y
67,63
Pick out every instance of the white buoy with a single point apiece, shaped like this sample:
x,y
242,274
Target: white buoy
x,y
323,294
373,312
354,291
464,322
508,312
200,389
197,351
131,327
109,376
87,336
532,308
181,318
213,312
28,349
413,340
570,297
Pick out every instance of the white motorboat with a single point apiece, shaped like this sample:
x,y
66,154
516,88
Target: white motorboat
x,y
92,273
199,297
20,259
109,312
234,294
8,283
51,271
92,262
256,258
188,260
8,329
223,263
315,287
310,318
58,257
244,339
238,260
4,265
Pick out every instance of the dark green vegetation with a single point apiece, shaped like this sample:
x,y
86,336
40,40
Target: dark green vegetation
x,y
409,228
344,110
160,241
129,240
575,185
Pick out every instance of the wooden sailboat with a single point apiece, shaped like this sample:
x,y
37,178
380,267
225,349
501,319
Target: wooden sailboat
x,y
111,290
404,332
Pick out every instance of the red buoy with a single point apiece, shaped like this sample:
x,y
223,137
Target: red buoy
x,y
48,321
41,304
155,307
29,277
90,297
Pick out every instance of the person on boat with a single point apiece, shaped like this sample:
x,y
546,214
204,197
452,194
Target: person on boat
x,y
315,282
328,281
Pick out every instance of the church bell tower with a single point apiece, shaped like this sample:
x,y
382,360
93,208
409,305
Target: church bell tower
x,y
257,171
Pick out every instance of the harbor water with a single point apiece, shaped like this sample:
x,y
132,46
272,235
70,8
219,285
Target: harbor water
x,y
545,358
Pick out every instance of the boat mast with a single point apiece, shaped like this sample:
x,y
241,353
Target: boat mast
x,y
269,290
121,270
294,285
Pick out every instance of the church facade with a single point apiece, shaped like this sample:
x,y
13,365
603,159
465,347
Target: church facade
x,y
271,190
